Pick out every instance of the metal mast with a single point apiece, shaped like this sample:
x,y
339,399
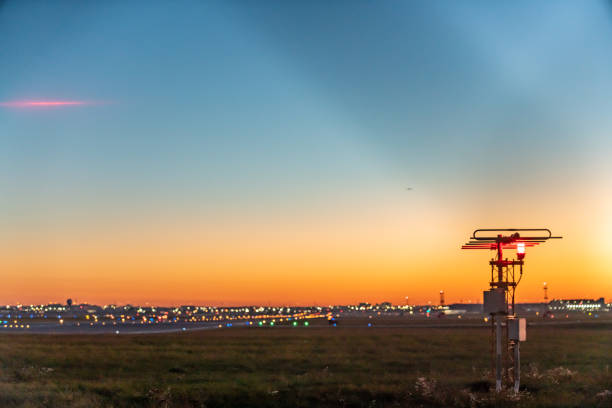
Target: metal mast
x,y
507,330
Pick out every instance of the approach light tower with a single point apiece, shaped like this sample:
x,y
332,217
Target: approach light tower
x,y
499,300
441,298
545,293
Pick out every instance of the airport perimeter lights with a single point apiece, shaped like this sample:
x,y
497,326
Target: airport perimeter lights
x,y
499,300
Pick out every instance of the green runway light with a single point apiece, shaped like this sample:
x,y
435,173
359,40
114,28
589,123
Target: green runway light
x,y
305,323
271,323
260,323
295,323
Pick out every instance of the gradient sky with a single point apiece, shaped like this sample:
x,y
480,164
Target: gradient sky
x,y
241,152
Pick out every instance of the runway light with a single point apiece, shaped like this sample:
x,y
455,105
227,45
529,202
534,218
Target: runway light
x,y
306,323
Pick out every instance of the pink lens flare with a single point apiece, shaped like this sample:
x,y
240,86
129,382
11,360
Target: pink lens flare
x,y
40,104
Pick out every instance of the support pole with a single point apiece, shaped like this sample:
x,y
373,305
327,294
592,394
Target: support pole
x,y
498,353
492,343
517,366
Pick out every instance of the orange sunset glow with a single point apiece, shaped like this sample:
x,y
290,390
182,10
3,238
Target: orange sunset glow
x,y
384,252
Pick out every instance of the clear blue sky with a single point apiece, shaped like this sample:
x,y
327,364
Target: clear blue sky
x,y
250,109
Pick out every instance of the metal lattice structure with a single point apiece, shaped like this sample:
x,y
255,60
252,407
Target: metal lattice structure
x,y
499,300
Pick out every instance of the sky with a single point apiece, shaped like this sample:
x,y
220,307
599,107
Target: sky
x,y
261,152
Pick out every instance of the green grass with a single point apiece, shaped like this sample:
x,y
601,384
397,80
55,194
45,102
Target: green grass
x,y
301,367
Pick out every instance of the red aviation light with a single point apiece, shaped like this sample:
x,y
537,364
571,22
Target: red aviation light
x,y
520,250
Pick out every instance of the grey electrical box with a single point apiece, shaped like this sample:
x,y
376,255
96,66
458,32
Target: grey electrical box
x,y
517,329
494,301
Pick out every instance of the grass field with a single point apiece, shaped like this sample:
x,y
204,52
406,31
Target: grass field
x,y
299,367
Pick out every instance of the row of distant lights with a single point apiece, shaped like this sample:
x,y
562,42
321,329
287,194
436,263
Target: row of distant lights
x,y
579,306
164,317
175,309
259,309
262,323
15,326
272,322
159,319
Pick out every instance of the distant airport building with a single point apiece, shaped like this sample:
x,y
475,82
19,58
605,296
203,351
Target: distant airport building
x,y
458,308
578,304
